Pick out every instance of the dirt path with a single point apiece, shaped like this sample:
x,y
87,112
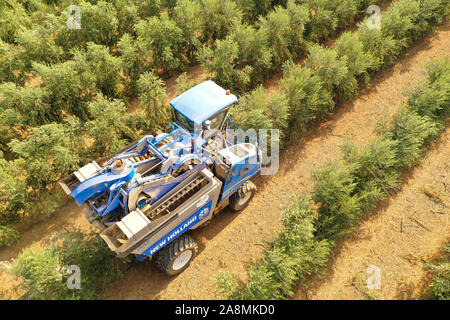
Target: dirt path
x,y
232,240
406,231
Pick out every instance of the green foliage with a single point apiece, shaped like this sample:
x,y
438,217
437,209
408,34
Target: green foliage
x,y
24,106
221,63
130,60
254,51
42,271
241,59
335,192
98,264
99,67
385,49
40,43
12,65
152,94
323,21
333,70
8,235
67,86
51,151
218,16
359,62
109,126
14,195
410,132
251,9
257,110
433,12
45,272
226,285
284,29
308,99
287,260
374,169
432,98
399,22
183,83
128,14
12,17
403,23
99,24
440,284
160,42
148,8
188,17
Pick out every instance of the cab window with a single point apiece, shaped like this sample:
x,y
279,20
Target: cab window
x,y
183,121
217,119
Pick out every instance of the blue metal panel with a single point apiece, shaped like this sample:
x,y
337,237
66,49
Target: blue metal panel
x,y
233,182
93,187
187,224
202,101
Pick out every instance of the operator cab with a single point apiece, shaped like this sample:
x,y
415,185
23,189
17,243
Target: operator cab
x,y
203,107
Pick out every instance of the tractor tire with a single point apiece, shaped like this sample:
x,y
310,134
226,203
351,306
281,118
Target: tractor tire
x,y
177,256
242,197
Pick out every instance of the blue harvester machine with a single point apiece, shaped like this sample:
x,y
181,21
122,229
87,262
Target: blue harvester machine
x,y
145,197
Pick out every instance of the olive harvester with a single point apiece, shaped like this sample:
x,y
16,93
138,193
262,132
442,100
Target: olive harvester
x,y
145,197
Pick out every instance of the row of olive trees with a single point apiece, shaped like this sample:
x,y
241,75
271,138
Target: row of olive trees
x,y
161,36
344,191
333,75
250,53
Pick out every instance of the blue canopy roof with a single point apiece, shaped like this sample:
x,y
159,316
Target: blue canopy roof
x,y
202,101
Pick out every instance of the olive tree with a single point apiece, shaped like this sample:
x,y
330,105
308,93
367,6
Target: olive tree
x,y
152,94
101,66
108,126
99,24
12,17
308,98
284,28
160,41
51,151
12,63
333,71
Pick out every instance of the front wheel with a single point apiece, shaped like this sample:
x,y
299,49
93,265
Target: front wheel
x,y
177,256
242,197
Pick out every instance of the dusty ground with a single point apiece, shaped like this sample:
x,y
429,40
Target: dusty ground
x,y
404,232
231,240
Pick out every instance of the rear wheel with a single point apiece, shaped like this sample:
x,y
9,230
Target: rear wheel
x,y
242,197
177,256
